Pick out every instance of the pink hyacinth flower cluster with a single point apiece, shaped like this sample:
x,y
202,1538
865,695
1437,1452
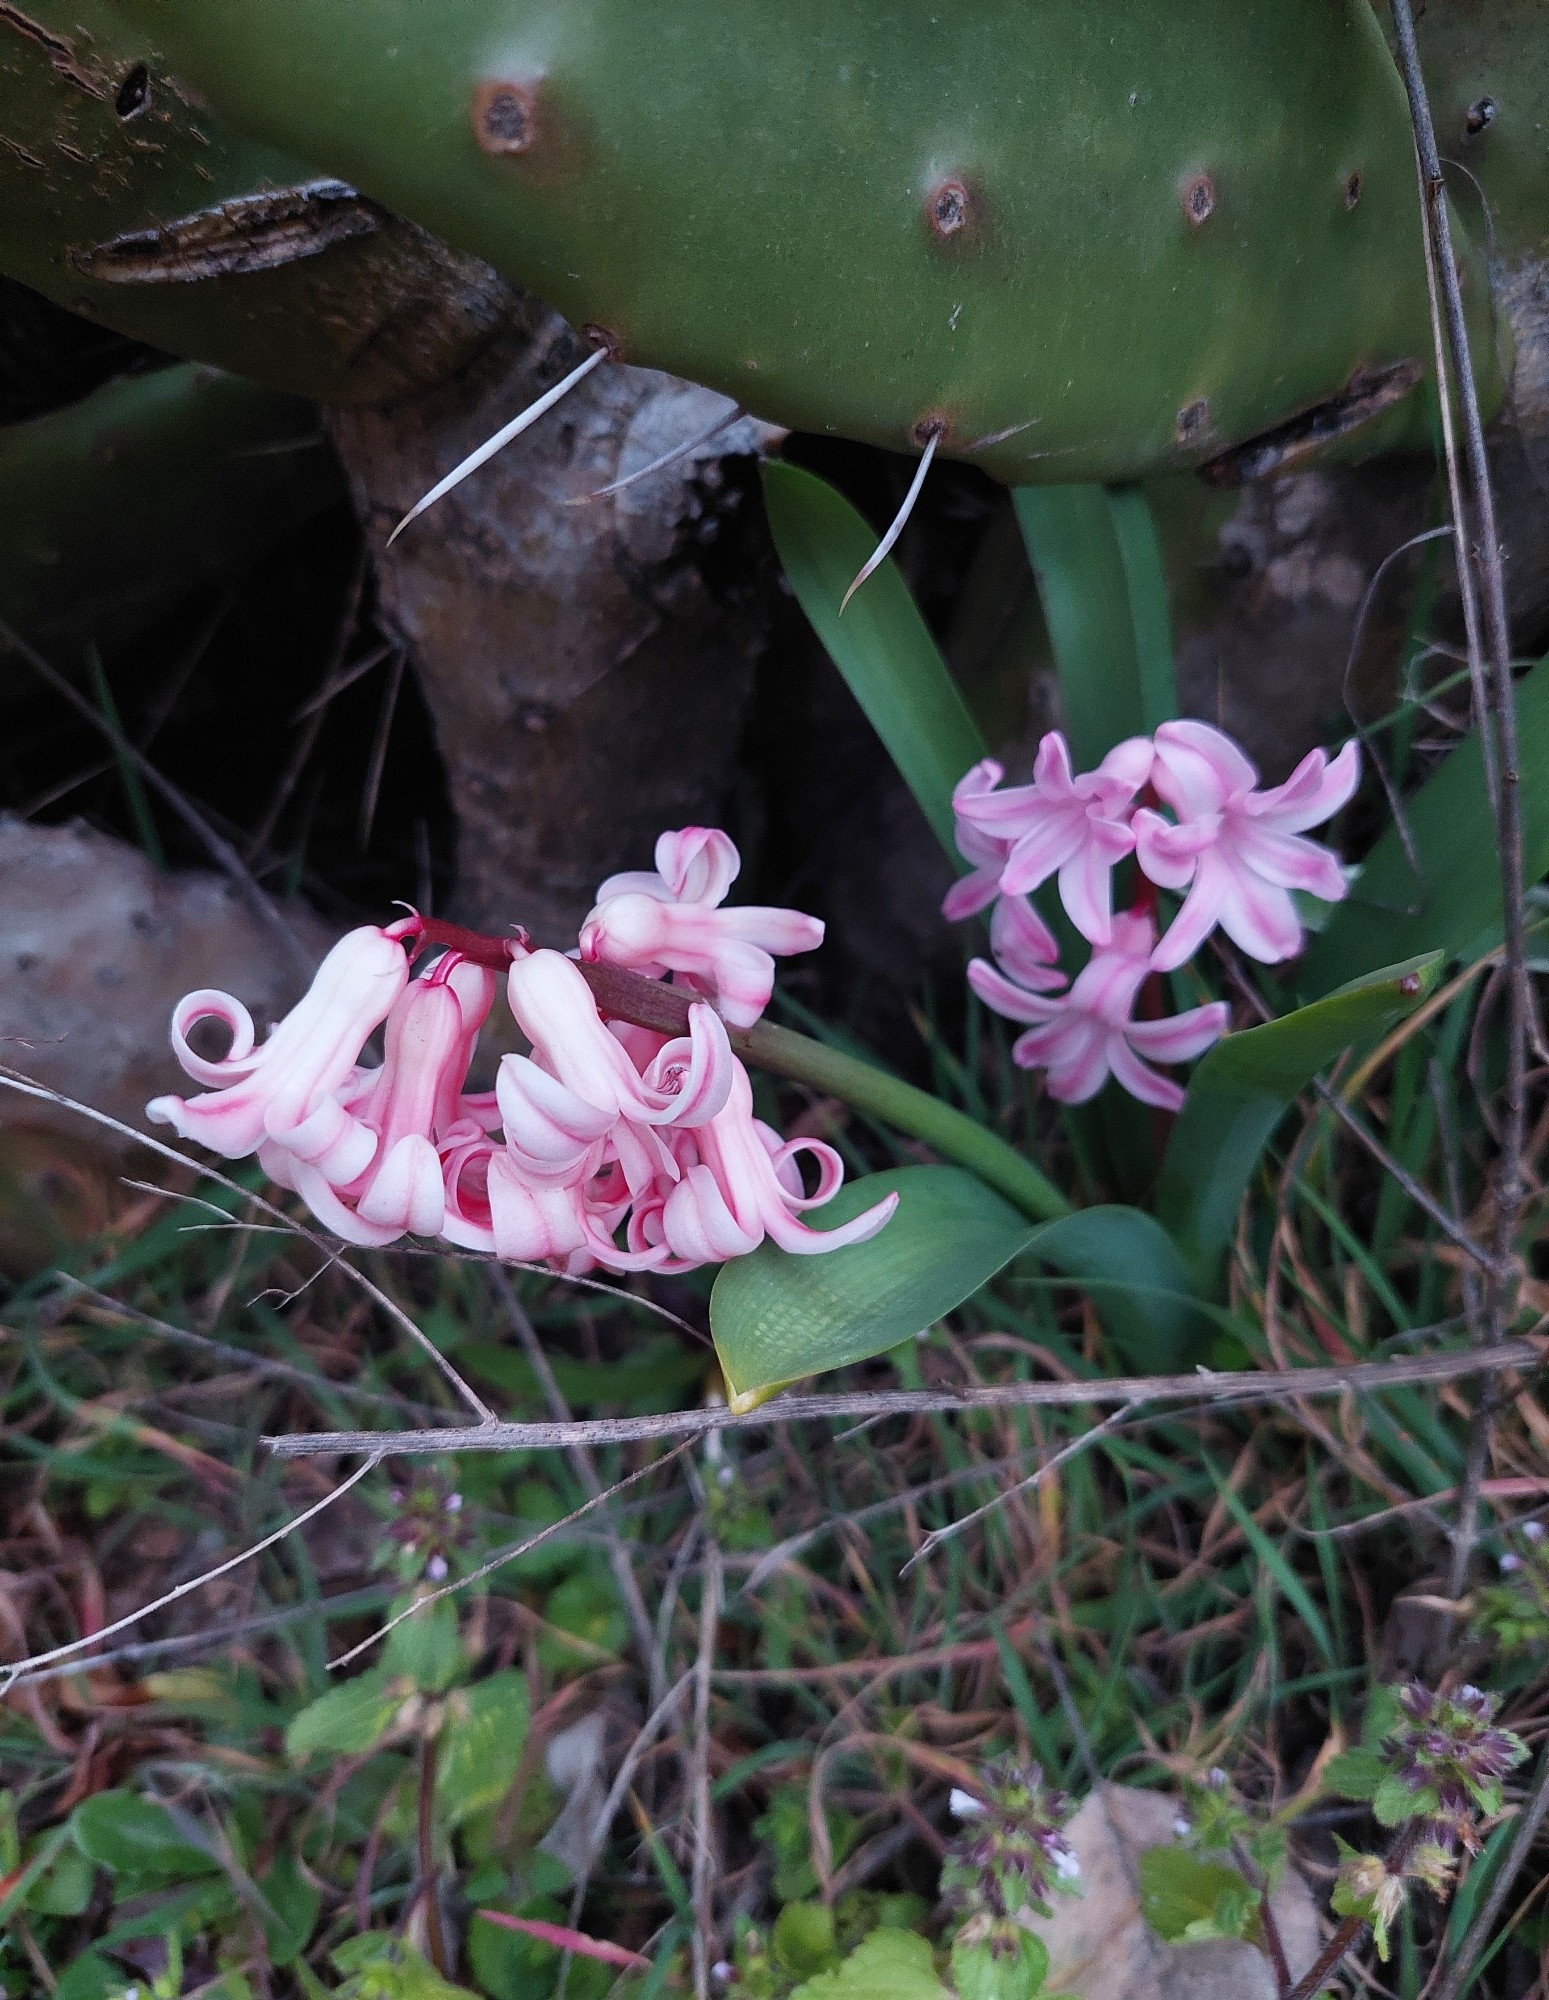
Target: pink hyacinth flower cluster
x,y
607,1145
1234,852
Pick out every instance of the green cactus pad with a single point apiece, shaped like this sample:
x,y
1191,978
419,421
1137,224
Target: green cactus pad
x,y
127,201
1093,240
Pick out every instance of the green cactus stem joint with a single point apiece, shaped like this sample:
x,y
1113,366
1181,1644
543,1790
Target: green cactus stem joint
x,y
1088,243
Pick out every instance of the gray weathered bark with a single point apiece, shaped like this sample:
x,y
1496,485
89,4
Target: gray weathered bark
x,y
589,666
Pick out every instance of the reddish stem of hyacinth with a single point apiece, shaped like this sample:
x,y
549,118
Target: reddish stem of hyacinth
x,y
620,995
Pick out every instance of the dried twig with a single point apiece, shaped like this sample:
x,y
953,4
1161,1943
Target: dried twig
x,y
24,1086
15,1670
702,1877
1204,1388
1495,702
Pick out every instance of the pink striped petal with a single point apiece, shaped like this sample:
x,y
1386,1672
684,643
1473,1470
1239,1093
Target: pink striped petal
x,y
1167,854
1314,792
1181,1037
1140,1081
406,1192
973,893
1052,769
1197,919
1003,997
1127,767
1259,918
1197,769
1048,844
1287,860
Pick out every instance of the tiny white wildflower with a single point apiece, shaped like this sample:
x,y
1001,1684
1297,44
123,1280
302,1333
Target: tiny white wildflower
x,y
964,1805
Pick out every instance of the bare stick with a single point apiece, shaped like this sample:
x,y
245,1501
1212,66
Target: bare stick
x,y
13,1670
703,1873
647,1734
1500,720
1224,1390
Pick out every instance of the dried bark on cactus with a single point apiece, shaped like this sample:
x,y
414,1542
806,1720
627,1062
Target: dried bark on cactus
x,y
589,666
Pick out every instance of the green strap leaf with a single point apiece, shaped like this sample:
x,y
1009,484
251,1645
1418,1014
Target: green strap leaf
x,y
1243,1088
1104,593
778,1318
1456,902
882,646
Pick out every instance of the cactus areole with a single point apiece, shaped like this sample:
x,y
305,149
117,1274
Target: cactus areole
x,y
1071,240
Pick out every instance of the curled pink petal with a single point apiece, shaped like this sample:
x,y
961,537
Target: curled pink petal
x,y
726,954
554,1133
698,863
308,1057
209,1004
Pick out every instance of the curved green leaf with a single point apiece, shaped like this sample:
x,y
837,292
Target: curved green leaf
x,y
1104,597
1243,1088
1456,901
777,1318
888,658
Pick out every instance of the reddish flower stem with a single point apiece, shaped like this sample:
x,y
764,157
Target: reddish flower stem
x,y
620,995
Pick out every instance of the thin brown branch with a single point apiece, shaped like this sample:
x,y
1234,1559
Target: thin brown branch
x,y
702,1875
1208,1390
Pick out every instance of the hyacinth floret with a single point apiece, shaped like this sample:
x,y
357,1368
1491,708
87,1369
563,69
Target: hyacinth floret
x,y
1448,1752
1187,805
613,1144
1011,1854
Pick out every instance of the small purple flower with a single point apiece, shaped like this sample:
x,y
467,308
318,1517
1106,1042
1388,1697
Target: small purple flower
x,y
1449,1747
1013,1851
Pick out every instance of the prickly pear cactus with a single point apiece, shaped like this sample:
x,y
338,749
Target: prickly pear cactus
x,y
124,199
1073,241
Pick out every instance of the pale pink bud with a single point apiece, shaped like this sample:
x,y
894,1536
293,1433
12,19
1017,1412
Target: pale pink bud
x,y
670,922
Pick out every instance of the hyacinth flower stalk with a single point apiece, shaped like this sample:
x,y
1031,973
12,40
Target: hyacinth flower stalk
x,y
1235,852
631,1116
